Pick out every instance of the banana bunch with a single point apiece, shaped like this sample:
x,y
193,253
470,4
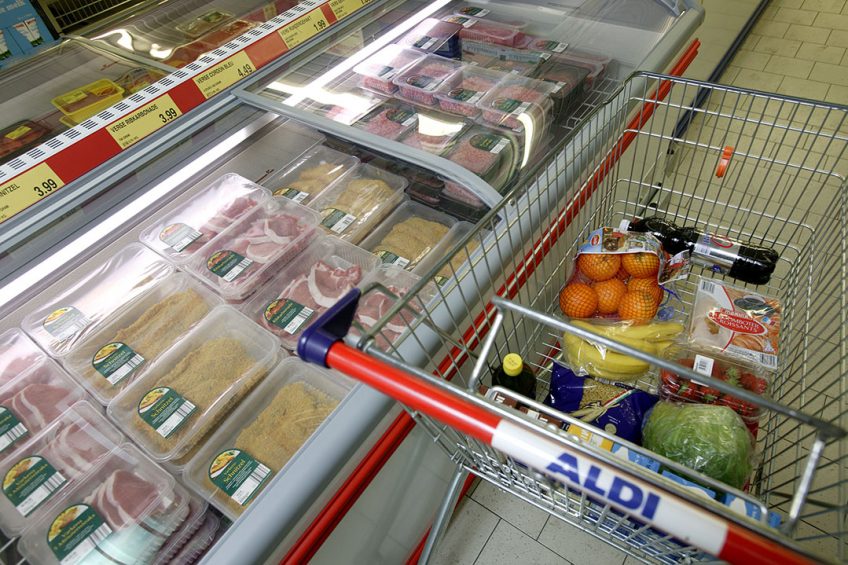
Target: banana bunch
x,y
600,361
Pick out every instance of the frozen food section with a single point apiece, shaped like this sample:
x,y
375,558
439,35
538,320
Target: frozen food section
x,y
159,293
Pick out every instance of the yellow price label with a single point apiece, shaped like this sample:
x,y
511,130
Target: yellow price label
x,y
26,189
344,8
144,121
224,74
304,28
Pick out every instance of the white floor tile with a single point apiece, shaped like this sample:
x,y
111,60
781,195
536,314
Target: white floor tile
x,y
520,514
509,546
469,530
577,546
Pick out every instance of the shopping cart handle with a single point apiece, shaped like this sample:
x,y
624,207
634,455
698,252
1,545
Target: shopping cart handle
x,y
330,327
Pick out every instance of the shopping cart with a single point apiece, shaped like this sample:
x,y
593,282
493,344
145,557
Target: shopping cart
x,y
758,167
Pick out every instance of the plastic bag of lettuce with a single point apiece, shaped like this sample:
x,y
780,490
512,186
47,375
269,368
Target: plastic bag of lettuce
x,y
710,439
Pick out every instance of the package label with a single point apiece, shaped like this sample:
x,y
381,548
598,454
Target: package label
x,y
179,236
390,258
116,361
238,474
76,532
165,410
288,315
228,264
64,323
30,482
337,220
11,428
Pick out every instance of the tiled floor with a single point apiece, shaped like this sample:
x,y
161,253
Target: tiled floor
x,y
798,48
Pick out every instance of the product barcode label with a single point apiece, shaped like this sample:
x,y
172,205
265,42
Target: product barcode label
x,y
707,286
179,236
292,194
299,320
768,360
337,220
703,365
126,369
165,410
287,315
65,323
390,258
256,478
75,532
238,474
116,361
500,146
174,421
238,269
29,482
11,428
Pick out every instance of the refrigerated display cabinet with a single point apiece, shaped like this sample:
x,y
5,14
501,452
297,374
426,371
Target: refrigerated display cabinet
x,y
258,130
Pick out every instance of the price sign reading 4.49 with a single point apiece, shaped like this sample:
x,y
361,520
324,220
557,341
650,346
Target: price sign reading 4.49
x,y
26,189
224,74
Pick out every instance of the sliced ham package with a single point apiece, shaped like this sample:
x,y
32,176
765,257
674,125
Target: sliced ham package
x,y
309,285
177,234
238,260
44,466
69,314
123,511
18,354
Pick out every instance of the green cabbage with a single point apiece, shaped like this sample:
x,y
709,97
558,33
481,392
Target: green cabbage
x,y
711,439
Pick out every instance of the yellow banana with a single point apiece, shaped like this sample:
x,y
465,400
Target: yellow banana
x,y
584,354
651,331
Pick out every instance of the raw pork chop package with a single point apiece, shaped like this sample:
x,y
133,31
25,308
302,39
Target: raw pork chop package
x,y
18,354
43,467
123,511
308,286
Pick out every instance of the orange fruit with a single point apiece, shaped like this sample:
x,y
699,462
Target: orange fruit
x,y
578,300
637,305
649,285
598,266
609,295
641,265
622,275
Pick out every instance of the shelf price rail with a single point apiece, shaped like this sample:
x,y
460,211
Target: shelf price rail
x,y
758,167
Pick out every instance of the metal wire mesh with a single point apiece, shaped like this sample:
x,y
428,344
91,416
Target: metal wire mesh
x,y
69,14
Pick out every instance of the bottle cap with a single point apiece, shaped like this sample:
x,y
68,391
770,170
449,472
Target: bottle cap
x,y
512,364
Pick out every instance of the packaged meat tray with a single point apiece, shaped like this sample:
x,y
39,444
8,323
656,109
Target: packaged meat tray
x,y
190,389
44,466
409,236
520,104
197,510
137,79
18,137
238,260
569,81
188,53
435,132
18,354
502,58
131,340
202,539
308,286
534,43
420,81
203,23
177,234
434,36
461,203
32,400
121,512
389,120
353,206
88,100
378,70
461,91
490,154
227,32
314,171
478,12
79,309
595,66
344,103
487,31
264,434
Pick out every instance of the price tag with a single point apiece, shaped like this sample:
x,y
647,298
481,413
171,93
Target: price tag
x,y
26,189
144,121
304,28
344,8
224,74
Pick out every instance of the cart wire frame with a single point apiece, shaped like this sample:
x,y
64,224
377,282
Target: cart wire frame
x,y
759,167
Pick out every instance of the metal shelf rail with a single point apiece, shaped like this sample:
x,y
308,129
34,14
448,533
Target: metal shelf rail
x,y
783,187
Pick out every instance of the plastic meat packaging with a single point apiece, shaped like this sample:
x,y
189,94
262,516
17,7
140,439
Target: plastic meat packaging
x,y
461,91
131,340
314,171
389,120
379,69
520,104
88,100
122,512
20,136
179,233
238,260
264,434
18,354
502,58
435,132
327,270
420,81
199,542
41,468
203,23
77,310
352,207
490,154
487,31
434,36
197,511
187,393
737,323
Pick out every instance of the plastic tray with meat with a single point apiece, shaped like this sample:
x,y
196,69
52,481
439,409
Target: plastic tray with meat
x,y
227,32
78,309
534,43
121,512
131,340
85,101
389,120
490,154
172,407
197,510
420,81
480,52
42,467
344,103
188,53
461,203
478,12
310,174
435,36
311,284
238,260
18,354
353,206
595,65
18,137
203,23
202,540
177,234
435,131
476,29
266,431
378,70
520,104
461,91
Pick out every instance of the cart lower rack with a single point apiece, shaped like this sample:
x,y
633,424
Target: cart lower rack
x,y
754,166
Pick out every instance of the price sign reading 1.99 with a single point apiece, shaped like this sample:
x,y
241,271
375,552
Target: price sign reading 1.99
x,y
304,28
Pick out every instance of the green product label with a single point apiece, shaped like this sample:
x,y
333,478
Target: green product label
x,y
508,105
228,264
292,194
461,20
11,429
390,258
425,42
287,315
238,474
440,279
488,142
64,323
179,236
76,532
336,220
165,410
30,482
465,95
116,361
548,45
472,11
421,81
386,72
403,117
